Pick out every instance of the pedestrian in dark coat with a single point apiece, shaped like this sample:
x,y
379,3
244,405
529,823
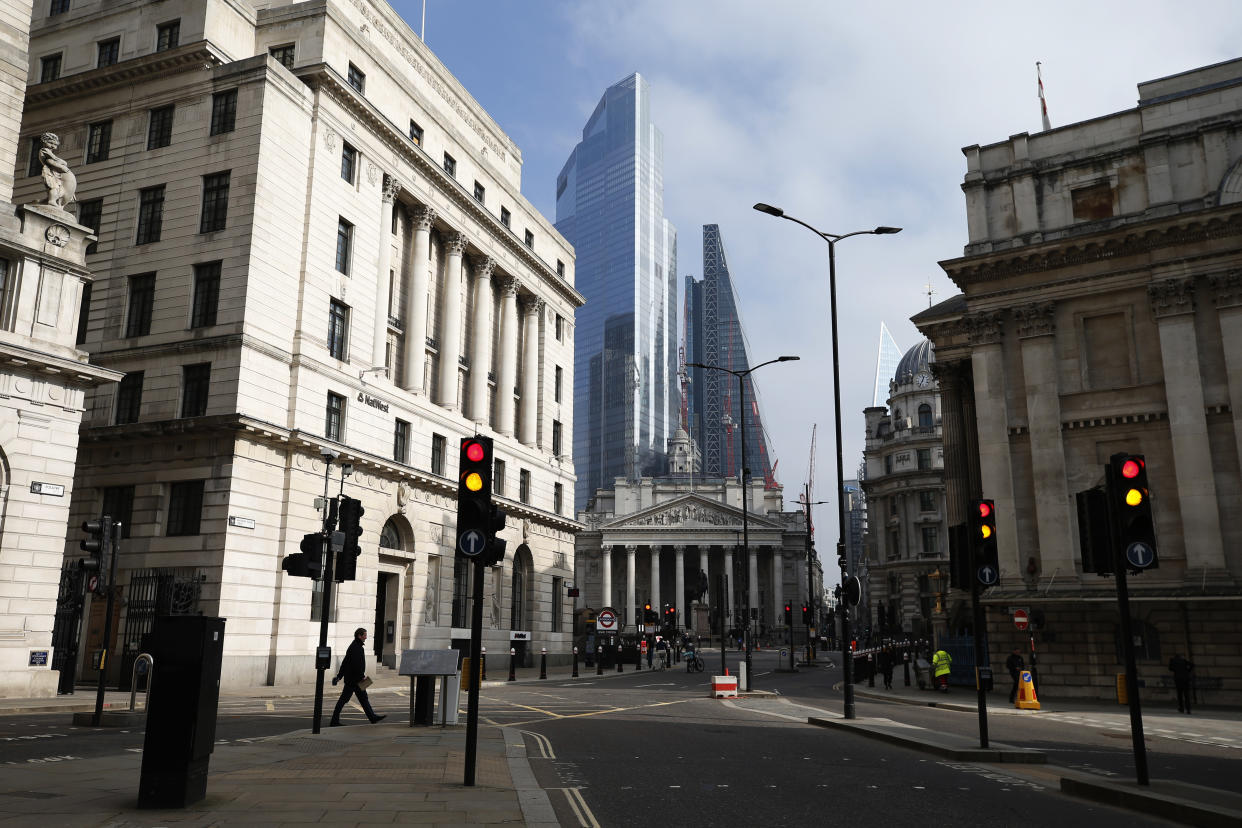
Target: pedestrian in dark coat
x,y
1181,669
886,667
1014,664
353,670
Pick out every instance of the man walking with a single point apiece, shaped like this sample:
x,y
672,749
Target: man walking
x,y
354,670
1014,664
1181,669
941,664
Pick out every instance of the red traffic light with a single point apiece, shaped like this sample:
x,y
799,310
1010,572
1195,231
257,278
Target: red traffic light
x,y
474,452
985,508
1131,468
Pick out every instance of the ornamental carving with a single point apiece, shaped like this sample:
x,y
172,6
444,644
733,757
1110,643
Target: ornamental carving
x,y
485,268
1172,297
391,188
329,139
423,218
1035,319
984,329
534,305
509,285
57,235
456,244
687,513
1227,290
372,174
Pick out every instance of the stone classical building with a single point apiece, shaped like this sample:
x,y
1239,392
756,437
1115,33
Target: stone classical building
x,y
907,534
44,380
1101,311
668,540
311,239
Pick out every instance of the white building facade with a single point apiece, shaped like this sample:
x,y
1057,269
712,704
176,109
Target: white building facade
x,y
311,238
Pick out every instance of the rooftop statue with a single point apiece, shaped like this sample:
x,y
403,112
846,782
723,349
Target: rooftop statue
x,y
62,185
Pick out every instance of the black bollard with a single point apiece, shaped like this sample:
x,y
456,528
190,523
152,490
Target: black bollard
x,y
512,664
575,675
483,665
870,670
616,653
638,658
907,666
543,663
599,660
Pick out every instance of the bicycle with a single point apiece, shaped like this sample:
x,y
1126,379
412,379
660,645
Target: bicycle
x,y
694,663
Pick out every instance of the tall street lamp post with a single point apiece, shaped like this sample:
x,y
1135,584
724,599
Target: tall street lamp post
x,y
832,239
810,568
741,398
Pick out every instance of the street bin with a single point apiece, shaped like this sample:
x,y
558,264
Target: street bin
x,y
1122,696
922,671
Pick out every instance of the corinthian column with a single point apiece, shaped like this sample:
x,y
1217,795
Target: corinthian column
x,y
679,579
508,355
630,551
605,564
992,421
778,586
481,346
450,330
418,277
530,372
727,609
655,576
379,342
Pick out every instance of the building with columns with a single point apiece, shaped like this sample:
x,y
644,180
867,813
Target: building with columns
x,y
44,381
1101,312
311,239
668,540
907,537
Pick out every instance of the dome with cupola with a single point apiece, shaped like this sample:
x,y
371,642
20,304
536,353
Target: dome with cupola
x,y
914,362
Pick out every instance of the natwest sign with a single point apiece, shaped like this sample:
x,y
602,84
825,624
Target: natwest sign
x,y
367,399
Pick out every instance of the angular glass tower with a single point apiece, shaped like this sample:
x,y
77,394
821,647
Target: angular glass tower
x,y
714,336
610,206
887,357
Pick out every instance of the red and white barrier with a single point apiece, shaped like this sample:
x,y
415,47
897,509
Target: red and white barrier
x,y
724,687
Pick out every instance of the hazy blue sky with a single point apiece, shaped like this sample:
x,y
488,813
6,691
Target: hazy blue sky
x,y
846,115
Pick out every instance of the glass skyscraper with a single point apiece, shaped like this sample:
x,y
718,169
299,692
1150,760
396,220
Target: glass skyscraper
x,y
610,206
714,336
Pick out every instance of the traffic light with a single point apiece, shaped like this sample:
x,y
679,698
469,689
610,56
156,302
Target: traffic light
x,y
98,543
806,614
351,513
648,615
983,542
1130,505
1095,536
789,615
495,546
309,562
474,497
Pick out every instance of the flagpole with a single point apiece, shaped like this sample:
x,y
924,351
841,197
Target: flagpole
x,y
1043,102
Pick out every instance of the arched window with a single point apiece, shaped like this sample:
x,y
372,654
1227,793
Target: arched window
x,y
521,590
925,416
390,537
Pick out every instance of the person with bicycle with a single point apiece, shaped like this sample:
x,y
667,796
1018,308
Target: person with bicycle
x,y
662,651
694,662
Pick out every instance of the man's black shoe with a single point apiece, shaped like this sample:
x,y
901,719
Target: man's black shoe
x,y
334,724
380,716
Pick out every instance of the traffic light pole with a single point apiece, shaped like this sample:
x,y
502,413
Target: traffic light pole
x,y
980,662
476,645
112,547
324,613
1132,696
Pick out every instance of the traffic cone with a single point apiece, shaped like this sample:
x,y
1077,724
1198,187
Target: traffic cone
x,y
1026,692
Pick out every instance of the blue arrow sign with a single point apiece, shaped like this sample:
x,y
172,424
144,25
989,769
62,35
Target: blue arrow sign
x,y
1140,555
987,575
472,542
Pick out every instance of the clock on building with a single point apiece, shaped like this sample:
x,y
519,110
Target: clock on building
x,y
922,379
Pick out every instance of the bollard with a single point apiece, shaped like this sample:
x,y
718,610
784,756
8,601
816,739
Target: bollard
x,y
617,655
870,670
599,660
512,664
907,666
483,664
638,660
543,663
575,675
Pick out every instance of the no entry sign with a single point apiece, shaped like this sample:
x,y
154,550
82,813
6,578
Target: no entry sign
x,y
1020,619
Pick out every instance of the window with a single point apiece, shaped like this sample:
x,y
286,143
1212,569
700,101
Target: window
x,y
530,239
84,310
344,239
892,505
498,477
58,7
35,167
129,398
357,79
335,417
349,162
558,602
118,504
450,164
109,51
524,486
560,328
224,112
49,68
98,140
215,202
206,294
505,216
150,214
560,268
556,438
283,54
927,501
90,214
401,441
925,416
141,300
929,541
558,495
159,128
168,36
185,507
888,464
556,385
437,454
416,132
338,327
480,192
924,456
195,384
1092,202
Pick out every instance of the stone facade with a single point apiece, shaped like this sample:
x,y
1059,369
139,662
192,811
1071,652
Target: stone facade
x,y
311,238
1101,311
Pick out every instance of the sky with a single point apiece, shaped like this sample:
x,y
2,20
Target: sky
x,y
848,116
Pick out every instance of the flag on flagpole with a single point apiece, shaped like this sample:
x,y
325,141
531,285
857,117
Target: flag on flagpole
x,y
1043,103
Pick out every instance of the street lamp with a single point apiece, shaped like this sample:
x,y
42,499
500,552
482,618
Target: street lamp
x,y
810,569
741,397
832,239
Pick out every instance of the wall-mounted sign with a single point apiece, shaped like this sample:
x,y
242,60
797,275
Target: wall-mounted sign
x,y
241,522
367,399
38,658
519,636
52,489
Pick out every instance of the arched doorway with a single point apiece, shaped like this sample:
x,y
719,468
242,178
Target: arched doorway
x,y
522,603
394,549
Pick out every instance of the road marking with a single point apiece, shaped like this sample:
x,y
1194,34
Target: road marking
x,y
596,712
581,810
545,746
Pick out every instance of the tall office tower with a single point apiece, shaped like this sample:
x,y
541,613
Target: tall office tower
x,y
886,360
714,336
610,206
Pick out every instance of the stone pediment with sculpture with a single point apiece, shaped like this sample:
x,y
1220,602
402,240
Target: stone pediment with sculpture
x,y
688,513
